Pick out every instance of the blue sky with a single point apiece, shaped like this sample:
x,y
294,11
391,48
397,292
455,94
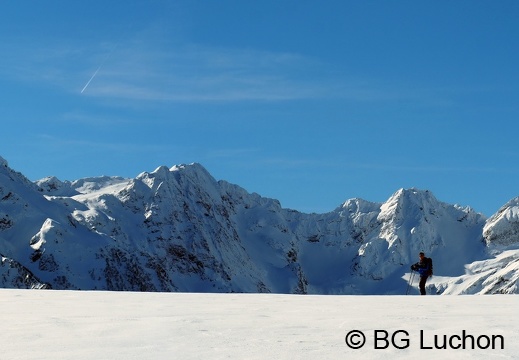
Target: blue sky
x,y
311,103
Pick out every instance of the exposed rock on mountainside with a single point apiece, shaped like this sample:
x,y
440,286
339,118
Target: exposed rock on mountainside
x,y
178,229
502,229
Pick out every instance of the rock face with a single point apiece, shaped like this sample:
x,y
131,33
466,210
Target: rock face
x,y
178,229
502,229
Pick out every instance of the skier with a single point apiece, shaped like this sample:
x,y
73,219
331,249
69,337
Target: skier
x,y
424,268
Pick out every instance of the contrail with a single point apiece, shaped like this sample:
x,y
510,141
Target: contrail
x,y
99,68
91,78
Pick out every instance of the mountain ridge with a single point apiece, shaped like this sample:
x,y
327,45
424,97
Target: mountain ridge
x,y
179,229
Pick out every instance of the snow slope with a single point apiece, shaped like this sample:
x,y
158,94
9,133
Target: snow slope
x,y
179,229
86,325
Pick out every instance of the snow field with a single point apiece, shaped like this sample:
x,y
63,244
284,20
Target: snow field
x,y
38,324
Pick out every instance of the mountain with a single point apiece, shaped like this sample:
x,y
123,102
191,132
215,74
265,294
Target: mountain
x,y
179,229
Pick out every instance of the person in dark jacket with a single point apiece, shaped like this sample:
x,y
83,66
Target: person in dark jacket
x,y
424,268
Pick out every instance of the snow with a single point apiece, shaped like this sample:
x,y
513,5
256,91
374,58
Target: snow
x,y
51,324
179,229
502,228
496,275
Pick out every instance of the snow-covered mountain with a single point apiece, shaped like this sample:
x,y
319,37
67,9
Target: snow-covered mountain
x,y
178,229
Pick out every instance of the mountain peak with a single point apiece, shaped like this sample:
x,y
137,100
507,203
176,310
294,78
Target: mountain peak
x,y
408,202
178,229
194,172
413,195
3,162
193,169
193,165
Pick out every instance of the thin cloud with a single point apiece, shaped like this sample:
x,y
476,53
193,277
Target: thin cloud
x,y
196,74
231,153
329,164
431,169
159,71
291,163
90,146
142,71
94,120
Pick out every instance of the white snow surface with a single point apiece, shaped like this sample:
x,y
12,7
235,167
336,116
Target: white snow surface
x,y
84,325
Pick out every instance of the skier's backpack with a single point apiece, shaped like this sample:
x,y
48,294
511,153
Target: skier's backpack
x,y
430,266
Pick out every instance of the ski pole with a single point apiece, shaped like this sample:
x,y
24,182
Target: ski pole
x,y
410,282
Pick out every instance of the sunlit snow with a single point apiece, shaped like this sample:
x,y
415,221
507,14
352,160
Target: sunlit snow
x,y
49,324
